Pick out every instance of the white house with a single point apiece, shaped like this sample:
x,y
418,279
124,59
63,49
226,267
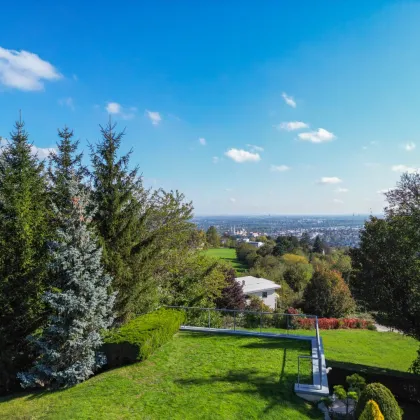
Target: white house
x,y
256,244
263,288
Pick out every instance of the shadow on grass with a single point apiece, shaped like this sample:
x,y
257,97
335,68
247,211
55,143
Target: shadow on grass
x,y
275,389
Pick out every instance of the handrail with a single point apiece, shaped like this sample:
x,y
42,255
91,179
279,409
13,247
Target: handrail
x,y
260,313
239,310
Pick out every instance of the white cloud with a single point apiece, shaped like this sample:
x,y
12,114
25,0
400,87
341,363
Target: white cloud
x,y
114,108
404,168
202,141
337,201
67,102
289,100
228,189
232,200
154,117
374,143
319,136
364,148
279,168
240,155
42,152
341,190
410,147
291,125
385,190
254,148
215,159
329,180
24,70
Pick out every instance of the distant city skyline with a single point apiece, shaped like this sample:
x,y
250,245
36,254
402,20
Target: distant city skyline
x,y
275,108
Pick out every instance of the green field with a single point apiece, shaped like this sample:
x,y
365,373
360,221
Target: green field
x,y
194,376
227,254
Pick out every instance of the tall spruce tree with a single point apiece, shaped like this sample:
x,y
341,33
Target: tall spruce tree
x,y
79,301
117,192
64,164
24,234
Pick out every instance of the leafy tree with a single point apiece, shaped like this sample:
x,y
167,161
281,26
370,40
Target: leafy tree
x,y
213,238
266,249
194,280
232,295
328,295
285,244
318,245
387,270
305,242
79,302
118,193
64,165
24,234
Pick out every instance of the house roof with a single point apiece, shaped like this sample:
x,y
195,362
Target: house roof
x,y
255,284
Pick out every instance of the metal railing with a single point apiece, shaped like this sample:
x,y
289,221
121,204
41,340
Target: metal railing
x,y
258,322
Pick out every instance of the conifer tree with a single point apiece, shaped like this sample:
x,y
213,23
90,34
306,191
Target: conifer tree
x,y
24,234
64,165
117,192
79,302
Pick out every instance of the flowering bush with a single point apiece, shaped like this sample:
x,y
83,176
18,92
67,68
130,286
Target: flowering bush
x,y
334,323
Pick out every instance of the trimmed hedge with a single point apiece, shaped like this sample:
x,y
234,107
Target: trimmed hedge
x,y
383,397
139,338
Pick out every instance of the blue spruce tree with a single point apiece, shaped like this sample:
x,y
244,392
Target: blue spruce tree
x,y
79,301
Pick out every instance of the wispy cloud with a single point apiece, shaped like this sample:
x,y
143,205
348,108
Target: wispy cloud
x,y
254,148
241,156
319,136
341,190
385,190
409,147
279,168
289,100
202,141
24,70
154,117
42,152
337,201
67,102
291,125
404,168
329,180
114,108
215,159
232,200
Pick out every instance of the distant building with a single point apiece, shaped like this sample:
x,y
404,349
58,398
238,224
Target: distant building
x,y
263,288
256,244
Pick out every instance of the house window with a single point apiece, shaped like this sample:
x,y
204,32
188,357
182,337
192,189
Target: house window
x,y
264,294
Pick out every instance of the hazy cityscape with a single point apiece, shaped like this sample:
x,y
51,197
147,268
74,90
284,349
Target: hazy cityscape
x,y
342,230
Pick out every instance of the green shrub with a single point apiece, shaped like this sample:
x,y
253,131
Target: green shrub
x,y
383,397
139,338
371,412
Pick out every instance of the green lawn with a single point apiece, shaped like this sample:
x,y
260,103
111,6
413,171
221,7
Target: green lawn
x,y
386,350
194,376
228,254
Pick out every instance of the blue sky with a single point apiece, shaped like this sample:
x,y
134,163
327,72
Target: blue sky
x,y
304,107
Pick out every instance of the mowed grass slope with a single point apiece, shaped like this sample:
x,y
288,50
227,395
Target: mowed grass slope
x,y
385,350
194,376
227,254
